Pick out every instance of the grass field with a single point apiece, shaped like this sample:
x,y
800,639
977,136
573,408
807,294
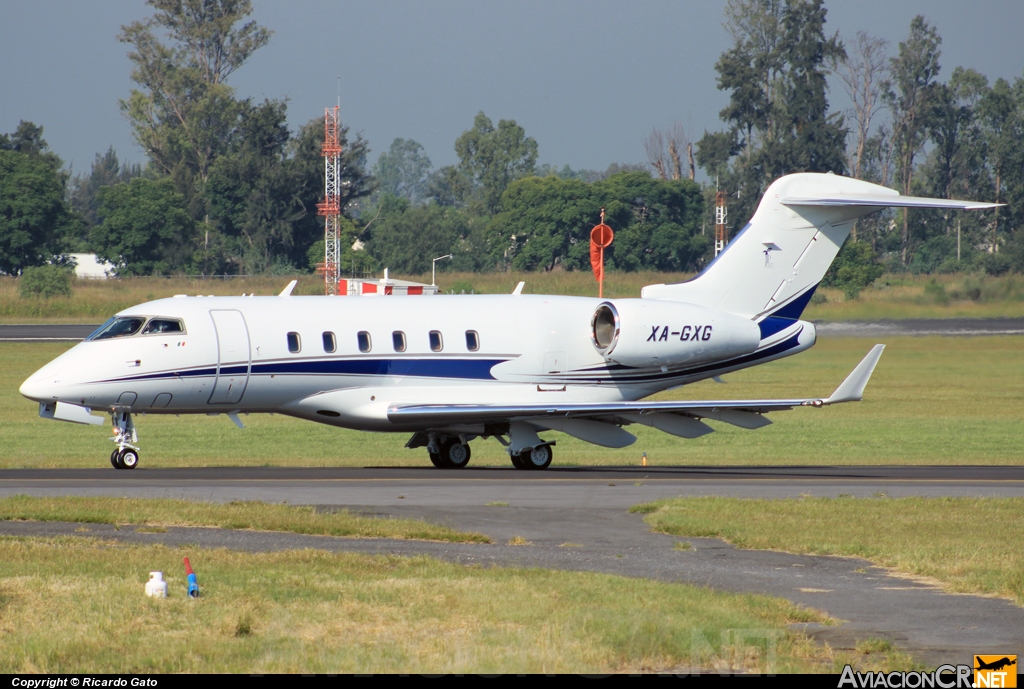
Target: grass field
x,y
256,516
932,400
77,605
970,545
892,296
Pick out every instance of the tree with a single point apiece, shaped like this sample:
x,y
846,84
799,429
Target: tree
x,y
184,112
913,72
778,107
106,171
493,157
145,229
405,238
546,222
1001,111
402,171
864,74
34,217
669,164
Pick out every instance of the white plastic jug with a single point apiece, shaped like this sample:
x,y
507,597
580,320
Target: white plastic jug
x,y
156,587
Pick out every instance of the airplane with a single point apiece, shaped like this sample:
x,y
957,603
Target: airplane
x,y
448,369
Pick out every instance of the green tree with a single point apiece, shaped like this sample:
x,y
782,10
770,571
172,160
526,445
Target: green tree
x,y
403,170
913,72
777,114
494,157
1001,112
184,111
145,229
106,171
34,217
405,238
546,222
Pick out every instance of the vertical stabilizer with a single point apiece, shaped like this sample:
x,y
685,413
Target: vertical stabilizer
x,y
774,264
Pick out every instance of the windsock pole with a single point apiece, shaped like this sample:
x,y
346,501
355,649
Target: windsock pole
x,y
193,584
600,238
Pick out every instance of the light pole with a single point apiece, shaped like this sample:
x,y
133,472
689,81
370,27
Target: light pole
x,y
433,269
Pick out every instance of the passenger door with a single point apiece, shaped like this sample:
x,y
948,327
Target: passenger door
x,y
234,358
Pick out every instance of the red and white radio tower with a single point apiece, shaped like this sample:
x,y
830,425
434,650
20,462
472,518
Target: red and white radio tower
x,y
330,207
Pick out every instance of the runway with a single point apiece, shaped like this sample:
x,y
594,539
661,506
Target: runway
x,y
576,518
952,327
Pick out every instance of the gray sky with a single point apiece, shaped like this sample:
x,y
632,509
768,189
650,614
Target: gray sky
x,y
587,79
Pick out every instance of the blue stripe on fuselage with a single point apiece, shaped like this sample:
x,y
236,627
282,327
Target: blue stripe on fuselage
x,y
470,369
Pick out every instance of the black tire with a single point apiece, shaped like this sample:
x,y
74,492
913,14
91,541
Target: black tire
x,y
435,459
114,458
517,461
128,458
538,458
454,454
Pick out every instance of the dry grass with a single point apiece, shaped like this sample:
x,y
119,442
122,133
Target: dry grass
x,y
77,605
153,514
970,545
892,296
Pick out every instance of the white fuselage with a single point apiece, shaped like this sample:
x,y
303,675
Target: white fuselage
x,y
234,355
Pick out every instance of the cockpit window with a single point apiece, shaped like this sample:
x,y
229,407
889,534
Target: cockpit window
x,y
163,325
118,326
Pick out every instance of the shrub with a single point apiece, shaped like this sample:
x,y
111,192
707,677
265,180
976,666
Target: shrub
x,y
854,269
45,281
996,264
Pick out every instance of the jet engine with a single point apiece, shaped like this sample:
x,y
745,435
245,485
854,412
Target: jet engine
x,y
644,333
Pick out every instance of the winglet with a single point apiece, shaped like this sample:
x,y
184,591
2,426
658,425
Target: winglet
x,y
519,288
852,389
287,291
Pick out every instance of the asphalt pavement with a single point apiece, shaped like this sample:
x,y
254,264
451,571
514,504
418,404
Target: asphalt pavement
x,y
577,519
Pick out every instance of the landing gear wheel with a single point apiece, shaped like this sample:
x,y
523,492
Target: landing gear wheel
x,y
517,461
114,460
128,458
539,457
454,454
435,459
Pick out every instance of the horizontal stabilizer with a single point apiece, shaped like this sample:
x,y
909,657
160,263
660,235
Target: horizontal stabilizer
x,y
886,200
852,389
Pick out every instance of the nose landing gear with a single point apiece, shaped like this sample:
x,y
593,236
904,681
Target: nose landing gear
x,y
126,456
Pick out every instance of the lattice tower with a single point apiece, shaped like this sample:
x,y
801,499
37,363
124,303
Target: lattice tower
x,y
721,211
330,207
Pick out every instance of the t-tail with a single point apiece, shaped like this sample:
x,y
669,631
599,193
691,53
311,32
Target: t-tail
x,y
772,267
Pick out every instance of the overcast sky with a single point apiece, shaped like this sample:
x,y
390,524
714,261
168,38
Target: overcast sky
x,y
588,80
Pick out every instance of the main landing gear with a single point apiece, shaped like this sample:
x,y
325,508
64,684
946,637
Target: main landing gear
x,y
448,452
533,458
451,451
126,455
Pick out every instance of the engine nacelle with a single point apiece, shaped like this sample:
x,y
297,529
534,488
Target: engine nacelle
x,y
647,332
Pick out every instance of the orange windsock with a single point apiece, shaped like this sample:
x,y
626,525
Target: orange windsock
x,y
600,238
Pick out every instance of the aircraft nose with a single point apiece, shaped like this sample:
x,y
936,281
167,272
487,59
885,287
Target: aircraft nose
x,y
38,388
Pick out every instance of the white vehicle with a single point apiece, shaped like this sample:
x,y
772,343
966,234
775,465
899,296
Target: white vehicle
x,y
448,369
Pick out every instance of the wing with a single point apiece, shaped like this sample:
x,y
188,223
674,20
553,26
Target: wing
x,y
593,422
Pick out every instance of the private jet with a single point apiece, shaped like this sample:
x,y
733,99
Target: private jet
x,y
446,370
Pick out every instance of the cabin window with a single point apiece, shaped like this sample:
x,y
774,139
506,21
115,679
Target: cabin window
x,y
330,344
364,341
118,326
294,344
398,339
472,340
436,344
165,326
